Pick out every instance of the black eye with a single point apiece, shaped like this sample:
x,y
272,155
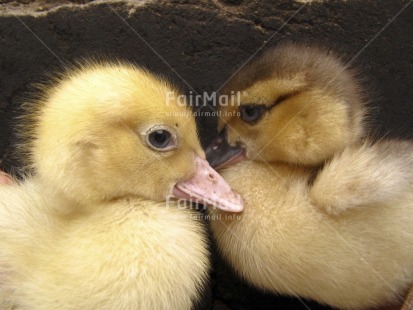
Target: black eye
x,y
160,139
252,113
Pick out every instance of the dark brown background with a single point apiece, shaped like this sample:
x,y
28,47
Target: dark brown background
x,y
197,44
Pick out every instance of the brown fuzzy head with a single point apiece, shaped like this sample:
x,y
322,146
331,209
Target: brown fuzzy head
x,y
113,130
295,104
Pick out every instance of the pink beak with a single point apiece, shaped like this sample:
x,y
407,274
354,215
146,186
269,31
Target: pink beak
x,y
208,187
5,178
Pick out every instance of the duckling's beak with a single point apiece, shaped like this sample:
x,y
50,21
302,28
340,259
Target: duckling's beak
x,y
208,187
220,154
5,178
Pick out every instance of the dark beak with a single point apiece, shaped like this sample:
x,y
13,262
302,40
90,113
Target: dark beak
x,y
220,154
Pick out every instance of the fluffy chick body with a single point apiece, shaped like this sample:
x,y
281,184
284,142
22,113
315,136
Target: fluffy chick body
x,y
90,228
129,254
287,242
326,216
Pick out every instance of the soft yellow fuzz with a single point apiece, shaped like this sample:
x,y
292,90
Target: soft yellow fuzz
x,y
90,228
327,216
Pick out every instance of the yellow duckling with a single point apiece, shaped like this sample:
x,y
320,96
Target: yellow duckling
x,y
90,229
327,216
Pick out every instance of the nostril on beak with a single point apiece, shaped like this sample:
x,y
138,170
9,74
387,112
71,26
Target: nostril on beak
x,y
212,178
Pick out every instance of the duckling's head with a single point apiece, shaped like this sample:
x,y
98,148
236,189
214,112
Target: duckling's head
x,y
294,104
107,131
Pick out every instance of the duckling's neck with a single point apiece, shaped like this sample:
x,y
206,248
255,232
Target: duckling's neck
x,y
57,200
74,206
294,167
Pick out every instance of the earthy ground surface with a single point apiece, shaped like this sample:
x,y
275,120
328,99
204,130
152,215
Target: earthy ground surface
x,y
197,44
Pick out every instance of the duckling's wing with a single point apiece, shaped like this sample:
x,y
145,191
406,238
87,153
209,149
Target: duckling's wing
x,y
365,175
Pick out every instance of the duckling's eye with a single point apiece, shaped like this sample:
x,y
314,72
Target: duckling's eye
x,y
252,113
161,139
